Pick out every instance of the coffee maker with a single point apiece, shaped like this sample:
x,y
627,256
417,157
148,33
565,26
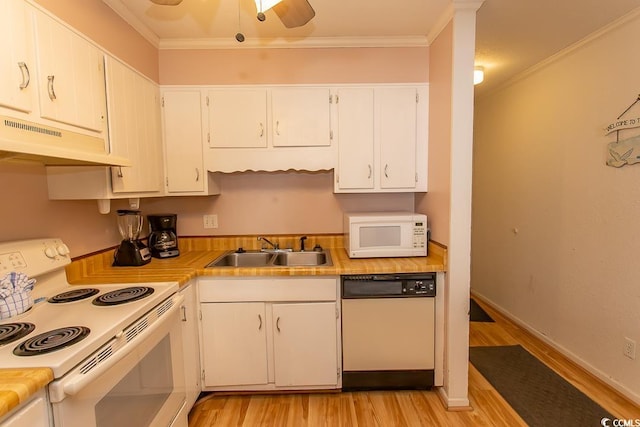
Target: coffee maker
x,y
163,239
131,252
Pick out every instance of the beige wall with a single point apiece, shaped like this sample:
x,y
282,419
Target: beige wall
x,y
436,203
274,203
555,230
295,66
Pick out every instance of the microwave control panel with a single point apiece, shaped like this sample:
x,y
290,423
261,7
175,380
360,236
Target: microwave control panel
x,y
419,234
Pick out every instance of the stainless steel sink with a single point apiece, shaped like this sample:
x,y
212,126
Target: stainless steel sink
x,y
293,259
242,259
272,259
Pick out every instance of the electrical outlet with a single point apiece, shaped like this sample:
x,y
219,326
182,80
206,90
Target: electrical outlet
x,y
210,221
629,349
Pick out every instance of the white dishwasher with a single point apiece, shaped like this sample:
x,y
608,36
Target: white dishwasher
x,y
388,328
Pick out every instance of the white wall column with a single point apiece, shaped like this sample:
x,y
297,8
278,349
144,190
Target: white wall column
x,y
457,288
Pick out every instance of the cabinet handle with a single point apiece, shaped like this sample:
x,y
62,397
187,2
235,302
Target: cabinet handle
x,y
278,324
52,93
120,175
386,167
261,130
26,76
184,313
370,171
278,127
260,319
197,174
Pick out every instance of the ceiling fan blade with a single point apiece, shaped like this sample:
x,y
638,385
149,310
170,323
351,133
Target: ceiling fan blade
x,y
167,2
294,13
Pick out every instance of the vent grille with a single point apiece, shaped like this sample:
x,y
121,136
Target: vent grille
x,y
102,355
32,128
137,329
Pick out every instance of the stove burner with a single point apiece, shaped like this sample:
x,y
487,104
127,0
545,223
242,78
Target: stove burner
x,y
124,295
73,295
10,332
51,341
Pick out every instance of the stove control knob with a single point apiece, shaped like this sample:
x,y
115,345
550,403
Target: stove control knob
x,y
62,249
50,252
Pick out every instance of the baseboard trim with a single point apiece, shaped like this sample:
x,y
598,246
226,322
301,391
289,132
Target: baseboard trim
x,y
453,405
601,376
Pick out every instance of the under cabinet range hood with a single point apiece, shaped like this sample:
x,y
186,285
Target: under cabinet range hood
x,y
30,141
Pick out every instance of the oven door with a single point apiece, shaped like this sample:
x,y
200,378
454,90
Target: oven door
x,y
139,384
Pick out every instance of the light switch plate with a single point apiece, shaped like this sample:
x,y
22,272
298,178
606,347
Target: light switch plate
x,y
210,221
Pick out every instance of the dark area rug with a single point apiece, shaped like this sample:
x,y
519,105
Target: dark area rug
x,y
539,395
477,314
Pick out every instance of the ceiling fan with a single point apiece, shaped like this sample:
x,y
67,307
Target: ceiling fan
x,y
292,13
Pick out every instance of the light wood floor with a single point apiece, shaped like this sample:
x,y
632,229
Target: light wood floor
x,y
407,408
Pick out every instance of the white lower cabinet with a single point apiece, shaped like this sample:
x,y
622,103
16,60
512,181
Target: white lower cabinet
x,y
304,344
286,341
33,413
190,339
234,343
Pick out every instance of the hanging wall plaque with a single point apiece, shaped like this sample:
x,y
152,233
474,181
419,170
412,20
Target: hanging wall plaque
x,y
626,151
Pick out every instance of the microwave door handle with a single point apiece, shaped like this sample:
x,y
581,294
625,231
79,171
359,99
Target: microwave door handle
x,y
76,383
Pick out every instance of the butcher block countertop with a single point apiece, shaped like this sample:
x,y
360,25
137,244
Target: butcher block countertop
x,y
17,385
197,252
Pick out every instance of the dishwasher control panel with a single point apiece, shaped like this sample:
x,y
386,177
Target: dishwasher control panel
x,y
419,287
389,285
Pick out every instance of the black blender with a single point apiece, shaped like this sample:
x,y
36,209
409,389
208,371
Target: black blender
x,y
163,239
131,252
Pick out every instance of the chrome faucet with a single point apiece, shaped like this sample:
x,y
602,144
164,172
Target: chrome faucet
x,y
274,245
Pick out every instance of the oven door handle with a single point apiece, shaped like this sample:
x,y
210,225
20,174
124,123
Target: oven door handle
x,y
75,384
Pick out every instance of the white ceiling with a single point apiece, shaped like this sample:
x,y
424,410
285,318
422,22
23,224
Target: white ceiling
x,y
512,35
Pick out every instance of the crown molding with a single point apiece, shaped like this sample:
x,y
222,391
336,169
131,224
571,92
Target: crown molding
x,y
123,12
283,43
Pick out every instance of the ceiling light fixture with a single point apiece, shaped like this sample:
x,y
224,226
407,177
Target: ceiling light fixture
x,y
263,6
478,75
167,2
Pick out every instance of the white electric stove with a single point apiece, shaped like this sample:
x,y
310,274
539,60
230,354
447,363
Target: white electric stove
x,y
79,326
86,333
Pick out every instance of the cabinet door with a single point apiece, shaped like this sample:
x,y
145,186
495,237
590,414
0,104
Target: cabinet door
x,y
191,344
237,118
355,144
396,130
17,60
71,76
305,344
134,129
234,344
182,118
301,117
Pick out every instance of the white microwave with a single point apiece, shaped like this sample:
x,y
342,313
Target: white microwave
x,y
385,234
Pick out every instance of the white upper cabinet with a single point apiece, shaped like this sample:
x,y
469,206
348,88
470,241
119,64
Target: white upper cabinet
x,y
134,129
356,131
396,111
382,139
268,128
301,117
17,61
237,118
182,118
134,133
70,76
